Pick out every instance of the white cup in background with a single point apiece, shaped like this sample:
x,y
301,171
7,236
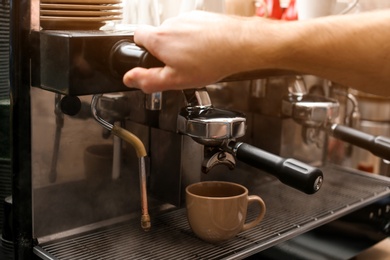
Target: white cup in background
x,y
172,8
217,6
308,9
169,8
141,12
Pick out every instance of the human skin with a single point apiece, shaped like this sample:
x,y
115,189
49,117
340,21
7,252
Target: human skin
x,y
200,48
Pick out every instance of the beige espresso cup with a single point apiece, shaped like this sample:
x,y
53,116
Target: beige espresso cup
x,y
217,210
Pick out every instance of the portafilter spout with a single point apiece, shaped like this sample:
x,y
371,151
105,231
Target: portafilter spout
x,y
218,128
141,154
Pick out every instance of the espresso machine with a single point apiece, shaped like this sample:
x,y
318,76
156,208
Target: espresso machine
x,y
99,170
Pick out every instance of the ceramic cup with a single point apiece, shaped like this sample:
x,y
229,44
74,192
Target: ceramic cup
x,y
172,8
98,160
216,6
308,9
217,210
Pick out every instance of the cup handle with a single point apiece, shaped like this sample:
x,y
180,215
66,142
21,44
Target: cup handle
x,y
251,199
349,7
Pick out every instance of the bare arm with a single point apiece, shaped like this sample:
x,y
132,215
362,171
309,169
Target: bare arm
x,y
353,50
201,48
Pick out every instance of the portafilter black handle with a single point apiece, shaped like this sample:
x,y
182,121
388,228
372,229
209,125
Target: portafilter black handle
x,y
126,55
291,172
378,145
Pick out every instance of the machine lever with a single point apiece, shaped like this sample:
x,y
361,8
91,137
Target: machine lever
x,y
378,145
291,172
126,55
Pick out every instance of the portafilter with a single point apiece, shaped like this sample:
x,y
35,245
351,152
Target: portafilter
x,y
320,112
219,128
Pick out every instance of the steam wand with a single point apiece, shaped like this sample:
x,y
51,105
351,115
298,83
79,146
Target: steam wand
x,y
141,154
57,138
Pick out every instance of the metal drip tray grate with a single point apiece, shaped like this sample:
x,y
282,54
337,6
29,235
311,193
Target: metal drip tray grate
x,y
289,213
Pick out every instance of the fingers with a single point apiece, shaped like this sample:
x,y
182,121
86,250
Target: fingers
x,y
152,79
148,80
142,35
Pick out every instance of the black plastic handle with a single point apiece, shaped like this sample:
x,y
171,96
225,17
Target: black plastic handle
x,y
126,55
291,172
378,145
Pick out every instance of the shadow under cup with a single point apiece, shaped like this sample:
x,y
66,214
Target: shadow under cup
x,y
217,210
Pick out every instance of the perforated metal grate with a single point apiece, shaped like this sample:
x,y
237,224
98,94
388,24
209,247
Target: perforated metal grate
x,y
5,184
4,48
289,213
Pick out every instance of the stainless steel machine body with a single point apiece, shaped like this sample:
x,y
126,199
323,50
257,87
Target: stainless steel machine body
x,y
76,186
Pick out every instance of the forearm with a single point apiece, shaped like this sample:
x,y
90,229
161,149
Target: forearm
x,y
357,55
200,48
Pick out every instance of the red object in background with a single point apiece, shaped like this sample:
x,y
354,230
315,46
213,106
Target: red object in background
x,y
290,14
272,9
365,167
269,9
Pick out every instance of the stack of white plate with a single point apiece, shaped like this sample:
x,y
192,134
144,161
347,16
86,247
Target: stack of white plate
x,y
78,14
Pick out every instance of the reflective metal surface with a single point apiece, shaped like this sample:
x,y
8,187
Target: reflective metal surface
x,y
289,214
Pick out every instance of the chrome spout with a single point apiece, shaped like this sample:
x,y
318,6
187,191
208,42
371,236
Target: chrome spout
x,y
214,156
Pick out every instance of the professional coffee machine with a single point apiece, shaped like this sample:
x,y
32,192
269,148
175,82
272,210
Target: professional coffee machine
x,y
78,182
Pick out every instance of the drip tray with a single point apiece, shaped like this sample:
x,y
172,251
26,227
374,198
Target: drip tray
x,y
289,213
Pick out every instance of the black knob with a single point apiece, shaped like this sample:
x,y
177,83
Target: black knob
x,y
70,105
126,55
